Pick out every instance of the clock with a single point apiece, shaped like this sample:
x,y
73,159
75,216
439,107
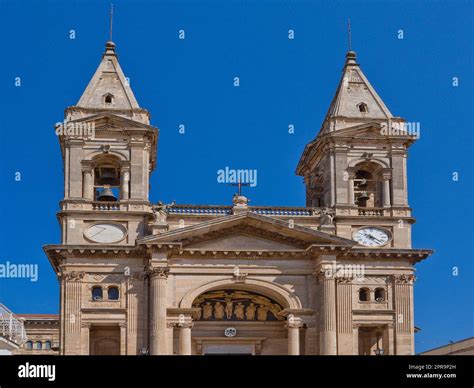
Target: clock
x,y
105,232
372,237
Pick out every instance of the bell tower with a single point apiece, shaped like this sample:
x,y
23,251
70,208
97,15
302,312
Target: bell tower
x,y
109,151
357,163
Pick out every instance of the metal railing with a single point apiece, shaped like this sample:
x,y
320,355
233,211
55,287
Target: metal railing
x,y
11,327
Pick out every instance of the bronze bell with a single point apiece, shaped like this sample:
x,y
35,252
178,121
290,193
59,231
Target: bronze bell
x,y
107,177
363,196
107,195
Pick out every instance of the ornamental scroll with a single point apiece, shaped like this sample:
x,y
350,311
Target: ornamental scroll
x,y
236,305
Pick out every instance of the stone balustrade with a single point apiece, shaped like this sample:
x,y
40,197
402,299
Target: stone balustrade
x,y
225,210
200,210
107,206
375,212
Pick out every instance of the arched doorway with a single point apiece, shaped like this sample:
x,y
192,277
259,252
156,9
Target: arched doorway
x,y
240,318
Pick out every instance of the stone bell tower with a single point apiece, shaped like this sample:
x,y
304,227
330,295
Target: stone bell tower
x,y
357,162
109,151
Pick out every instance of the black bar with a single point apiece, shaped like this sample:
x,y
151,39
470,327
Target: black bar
x,y
268,371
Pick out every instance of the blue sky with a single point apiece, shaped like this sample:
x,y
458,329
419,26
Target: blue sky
x,y
282,82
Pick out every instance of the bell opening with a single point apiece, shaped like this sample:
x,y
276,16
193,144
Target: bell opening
x,y
107,176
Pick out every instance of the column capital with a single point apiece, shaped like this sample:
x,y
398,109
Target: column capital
x,y
125,166
351,172
293,322
184,321
344,280
324,274
385,173
404,279
86,164
158,272
185,325
73,275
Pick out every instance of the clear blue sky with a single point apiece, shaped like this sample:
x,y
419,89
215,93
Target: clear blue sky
x,y
282,82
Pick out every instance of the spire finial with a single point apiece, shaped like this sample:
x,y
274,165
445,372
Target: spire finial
x,y
110,45
349,33
111,20
350,55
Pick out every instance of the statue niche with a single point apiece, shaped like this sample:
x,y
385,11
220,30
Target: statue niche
x,y
236,305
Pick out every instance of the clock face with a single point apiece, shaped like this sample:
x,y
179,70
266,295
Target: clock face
x,y
371,237
105,233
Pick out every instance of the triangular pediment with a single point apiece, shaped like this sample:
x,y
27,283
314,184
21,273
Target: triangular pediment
x,y
371,131
111,121
240,242
247,232
367,130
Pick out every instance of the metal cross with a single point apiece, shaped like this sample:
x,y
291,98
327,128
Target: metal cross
x,y
239,184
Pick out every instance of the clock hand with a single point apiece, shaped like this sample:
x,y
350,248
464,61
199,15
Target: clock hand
x,y
98,231
374,238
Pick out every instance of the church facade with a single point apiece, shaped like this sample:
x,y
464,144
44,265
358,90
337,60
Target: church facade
x,y
335,277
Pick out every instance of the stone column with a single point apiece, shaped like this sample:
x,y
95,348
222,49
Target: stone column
x,y
328,338
386,191
124,183
185,338
293,324
344,315
170,336
72,305
123,338
158,278
390,350
62,310
332,170
133,315
87,184
355,340
137,168
74,168
399,177
404,327
350,189
85,338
